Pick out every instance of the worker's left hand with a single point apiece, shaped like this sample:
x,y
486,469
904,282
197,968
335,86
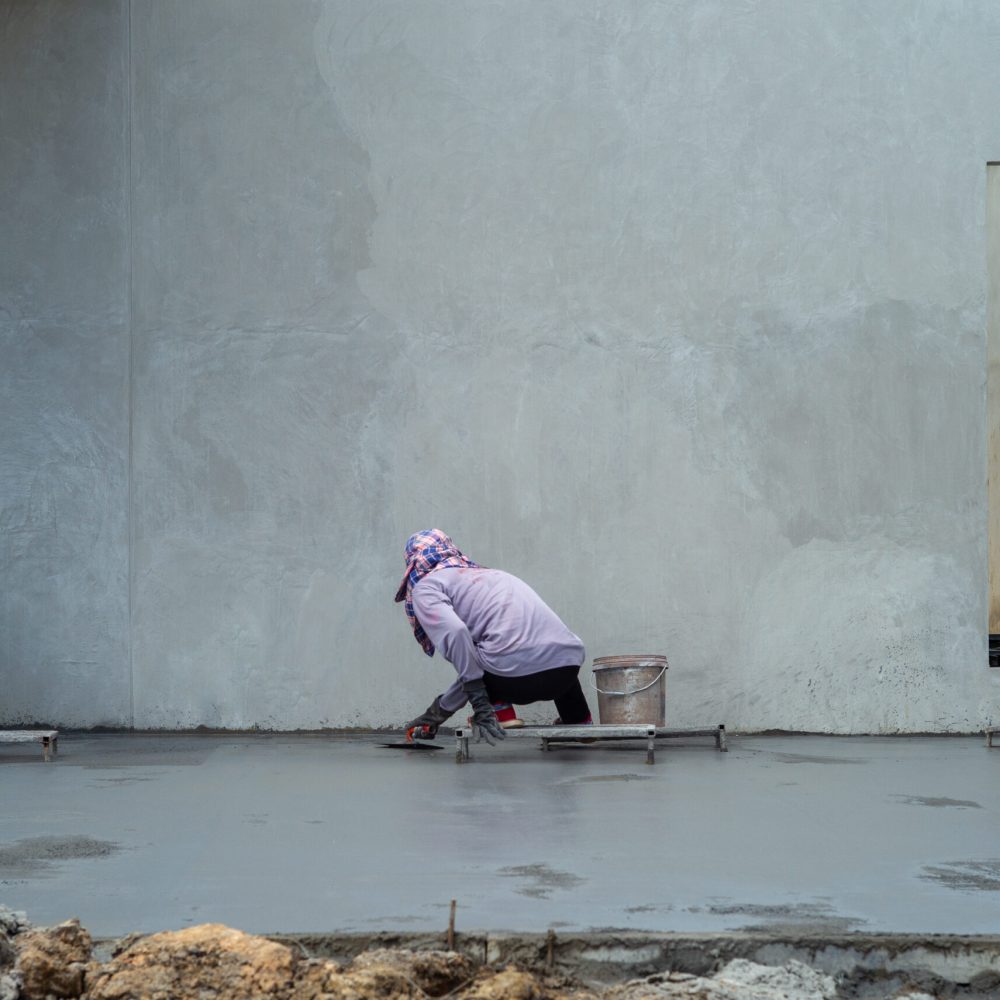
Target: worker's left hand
x,y
485,725
425,727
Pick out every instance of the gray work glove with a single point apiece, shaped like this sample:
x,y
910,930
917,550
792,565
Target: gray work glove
x,y
485,725
425,727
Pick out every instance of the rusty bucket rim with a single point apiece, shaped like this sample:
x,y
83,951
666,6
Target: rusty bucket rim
x,y
658,660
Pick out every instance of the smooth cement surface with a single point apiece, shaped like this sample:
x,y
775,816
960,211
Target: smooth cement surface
x,y
313,833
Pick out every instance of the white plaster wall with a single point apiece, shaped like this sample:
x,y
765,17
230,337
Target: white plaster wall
x,y
676,310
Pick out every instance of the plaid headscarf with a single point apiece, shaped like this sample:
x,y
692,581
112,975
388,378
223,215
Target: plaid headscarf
x,y
426,551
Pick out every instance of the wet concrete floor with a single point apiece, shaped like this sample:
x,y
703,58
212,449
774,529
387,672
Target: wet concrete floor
x,y
298,833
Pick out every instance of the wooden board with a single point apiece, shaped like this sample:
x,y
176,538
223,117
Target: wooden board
x,y
993,388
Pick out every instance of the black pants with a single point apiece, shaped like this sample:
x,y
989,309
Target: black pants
x,y
560,684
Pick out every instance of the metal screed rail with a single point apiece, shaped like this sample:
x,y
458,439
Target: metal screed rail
x,y
49,738
594,734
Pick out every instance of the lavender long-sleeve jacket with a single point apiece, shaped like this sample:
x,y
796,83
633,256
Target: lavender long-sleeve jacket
x,y
485,620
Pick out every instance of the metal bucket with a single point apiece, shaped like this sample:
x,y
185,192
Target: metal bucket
x,y
631,690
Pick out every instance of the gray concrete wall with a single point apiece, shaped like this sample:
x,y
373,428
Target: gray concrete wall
x,y
676,310
64,361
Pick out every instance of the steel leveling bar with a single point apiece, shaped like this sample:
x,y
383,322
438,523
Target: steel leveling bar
x,y
594,734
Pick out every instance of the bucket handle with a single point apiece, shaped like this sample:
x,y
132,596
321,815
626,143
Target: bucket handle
x,y
622,694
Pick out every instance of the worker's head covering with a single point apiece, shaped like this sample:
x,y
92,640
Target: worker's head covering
x,y
426,551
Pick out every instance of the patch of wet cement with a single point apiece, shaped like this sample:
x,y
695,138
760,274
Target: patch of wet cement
x,y
802,758
127,779
778,918
14,754
147,753
36,857
540,879
966,876
936,803
607,777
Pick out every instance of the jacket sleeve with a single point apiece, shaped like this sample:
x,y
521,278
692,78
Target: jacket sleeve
x,y
447,631
455,697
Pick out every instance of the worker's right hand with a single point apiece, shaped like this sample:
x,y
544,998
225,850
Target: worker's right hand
x,y
425,727
485,725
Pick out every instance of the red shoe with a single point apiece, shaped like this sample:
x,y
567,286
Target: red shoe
x,y
506,716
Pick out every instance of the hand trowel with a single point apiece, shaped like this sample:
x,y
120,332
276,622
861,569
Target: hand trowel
x,y
411,744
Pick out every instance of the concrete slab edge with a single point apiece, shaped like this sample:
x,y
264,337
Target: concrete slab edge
x,y
613,956
448,732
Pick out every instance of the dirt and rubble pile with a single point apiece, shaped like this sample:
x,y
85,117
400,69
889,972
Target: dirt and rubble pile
x,y
217,962
12,923
435,973
52,962
211,958
739,980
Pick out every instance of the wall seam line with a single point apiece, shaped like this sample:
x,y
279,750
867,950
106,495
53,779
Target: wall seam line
x,y
131,354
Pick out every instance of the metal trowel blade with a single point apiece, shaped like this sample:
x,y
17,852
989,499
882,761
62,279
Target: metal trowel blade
x,y
410,746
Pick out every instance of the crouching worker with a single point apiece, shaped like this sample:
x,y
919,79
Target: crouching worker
x,y
506,644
